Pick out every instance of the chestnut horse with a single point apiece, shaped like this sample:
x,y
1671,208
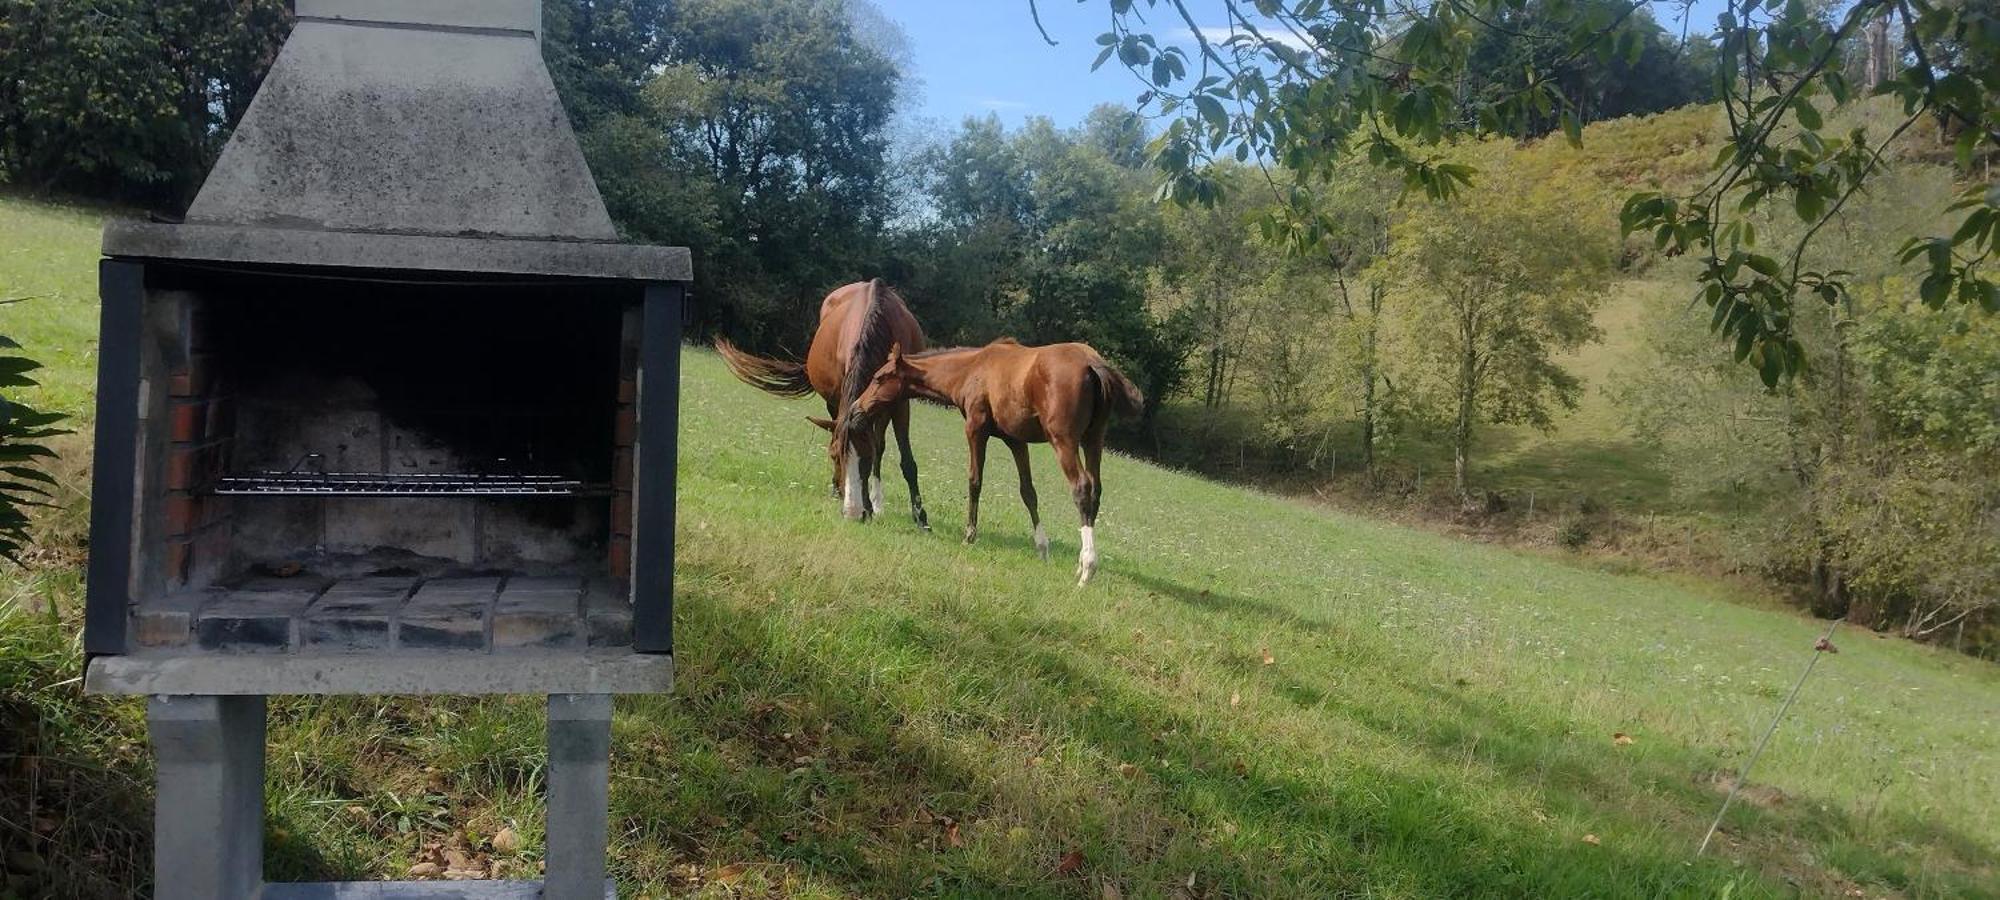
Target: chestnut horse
x,y
858,324
1064,394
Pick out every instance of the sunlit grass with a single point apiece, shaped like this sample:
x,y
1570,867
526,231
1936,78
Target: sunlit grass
x,y
1256,698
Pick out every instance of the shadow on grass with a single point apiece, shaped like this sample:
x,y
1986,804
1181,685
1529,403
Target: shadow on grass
x,y
76,809
792,760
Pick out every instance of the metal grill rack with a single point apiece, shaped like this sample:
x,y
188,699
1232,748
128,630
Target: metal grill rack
x,y
365,484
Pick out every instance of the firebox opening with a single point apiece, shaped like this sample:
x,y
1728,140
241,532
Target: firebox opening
x,y
354,428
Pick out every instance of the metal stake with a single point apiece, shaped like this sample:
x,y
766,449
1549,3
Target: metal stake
x,y
1743,776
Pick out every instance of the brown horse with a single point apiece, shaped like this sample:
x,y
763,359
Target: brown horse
x,y
858,325
1064,394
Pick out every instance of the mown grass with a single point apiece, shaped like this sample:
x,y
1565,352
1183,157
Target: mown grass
x,y
1257,698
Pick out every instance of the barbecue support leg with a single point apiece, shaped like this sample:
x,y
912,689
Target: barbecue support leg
x,y
208,826
579,796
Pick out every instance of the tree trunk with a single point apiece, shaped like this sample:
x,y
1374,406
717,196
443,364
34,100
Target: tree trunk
x,y
1468,392
1369,367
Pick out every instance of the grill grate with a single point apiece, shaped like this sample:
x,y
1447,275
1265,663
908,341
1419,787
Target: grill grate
x,y
361,484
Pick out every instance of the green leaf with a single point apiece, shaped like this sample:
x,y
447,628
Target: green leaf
x,y
1972,226
1211,111
1572,129
1936,288
1807,115
1808,203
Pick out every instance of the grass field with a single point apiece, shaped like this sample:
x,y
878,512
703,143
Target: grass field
x,y
1256,698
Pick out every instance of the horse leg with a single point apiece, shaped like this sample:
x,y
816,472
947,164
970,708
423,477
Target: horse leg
x,y
1085,496
901,418
880,450
1028,496
836,465
975,439
1093,464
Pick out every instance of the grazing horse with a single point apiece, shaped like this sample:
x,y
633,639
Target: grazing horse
x,y
1064,394
858,325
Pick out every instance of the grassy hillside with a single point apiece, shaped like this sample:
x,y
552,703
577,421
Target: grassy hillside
x,y
1256,698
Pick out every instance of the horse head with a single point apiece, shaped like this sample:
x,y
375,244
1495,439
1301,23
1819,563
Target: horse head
x,y
850,445
889,384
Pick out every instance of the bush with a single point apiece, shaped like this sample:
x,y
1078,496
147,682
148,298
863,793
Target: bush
x,y
1573,533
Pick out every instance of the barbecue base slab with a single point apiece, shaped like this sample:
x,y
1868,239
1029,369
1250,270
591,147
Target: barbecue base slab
x,y
593,672
312,614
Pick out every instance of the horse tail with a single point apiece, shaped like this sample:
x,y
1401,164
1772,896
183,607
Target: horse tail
x,y
1117,391
772,376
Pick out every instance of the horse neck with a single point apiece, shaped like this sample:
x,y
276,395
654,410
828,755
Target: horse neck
x,y
942,376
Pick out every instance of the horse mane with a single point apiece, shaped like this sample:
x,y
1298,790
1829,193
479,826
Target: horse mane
x,y
871,345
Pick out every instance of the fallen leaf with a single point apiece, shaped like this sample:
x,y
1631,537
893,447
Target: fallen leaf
x,y
506,841
1128,770
425,870
952,837
1190,881
1071,862
1235,699
1268,658
1592,840
1110,892
1034,761
1621,739
729,874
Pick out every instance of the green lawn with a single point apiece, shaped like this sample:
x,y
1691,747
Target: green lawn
x,y
1256,698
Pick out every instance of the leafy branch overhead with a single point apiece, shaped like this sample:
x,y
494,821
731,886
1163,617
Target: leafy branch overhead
x,y
23,431
1300,84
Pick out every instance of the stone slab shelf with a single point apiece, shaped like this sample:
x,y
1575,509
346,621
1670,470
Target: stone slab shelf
x,y
318,616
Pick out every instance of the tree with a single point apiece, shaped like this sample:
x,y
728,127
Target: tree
x,y
1209,265
759,140
128,100
601,53
1045,236
1304,82
1363,210
1526,44
1493,288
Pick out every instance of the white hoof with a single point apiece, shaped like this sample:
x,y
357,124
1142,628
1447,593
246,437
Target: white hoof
x,y
1041,543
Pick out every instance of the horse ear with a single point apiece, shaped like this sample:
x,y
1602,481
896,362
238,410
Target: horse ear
x,y
823,423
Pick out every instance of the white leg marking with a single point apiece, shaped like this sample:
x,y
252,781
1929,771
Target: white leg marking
x,y
875,492
1041,542
1086,561
850,496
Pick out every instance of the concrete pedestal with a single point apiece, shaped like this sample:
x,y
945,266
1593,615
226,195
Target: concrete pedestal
x,y
208,827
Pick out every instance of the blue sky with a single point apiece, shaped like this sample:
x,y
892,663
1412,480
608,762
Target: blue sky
x,y
973,57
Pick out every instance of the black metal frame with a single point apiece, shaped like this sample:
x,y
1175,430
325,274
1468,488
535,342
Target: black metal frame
x,y
657,457
121,286
113,519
